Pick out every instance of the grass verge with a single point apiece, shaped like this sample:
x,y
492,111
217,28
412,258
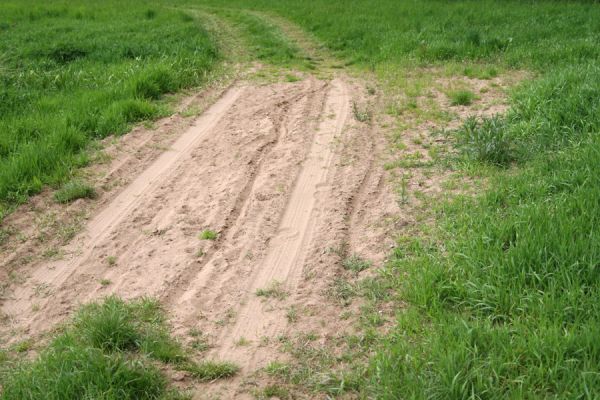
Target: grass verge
x,y
111,350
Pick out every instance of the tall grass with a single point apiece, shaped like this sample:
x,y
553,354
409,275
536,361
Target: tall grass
x,y
74,71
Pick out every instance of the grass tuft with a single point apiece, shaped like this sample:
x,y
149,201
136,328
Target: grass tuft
x,y
356,263
274,290
462,98
486,140
74,190
208,234
211,370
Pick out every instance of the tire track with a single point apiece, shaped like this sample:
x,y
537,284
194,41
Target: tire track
x,y
287,250
56,273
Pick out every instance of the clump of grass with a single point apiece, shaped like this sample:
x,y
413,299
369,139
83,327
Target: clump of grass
x,y
211,370
292,314
68,370
356,263
111,261
208,234
242,341
150,14
104,354
486,140
462,98
200,340
361,115
74,190
91,357
274,391
274,290
342,291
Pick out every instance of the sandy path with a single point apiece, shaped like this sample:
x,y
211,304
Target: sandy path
x,y
287,250
282,172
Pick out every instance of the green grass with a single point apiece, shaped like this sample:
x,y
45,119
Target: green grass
x,y
72,72
208,234
274,290
499,299
462,98
74,190
356,263
211,370
106,352
263,41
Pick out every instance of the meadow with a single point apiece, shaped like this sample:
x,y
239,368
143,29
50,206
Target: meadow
x,y
500,297
74,72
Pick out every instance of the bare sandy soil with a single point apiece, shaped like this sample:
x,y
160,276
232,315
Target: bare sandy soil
x,y
284,175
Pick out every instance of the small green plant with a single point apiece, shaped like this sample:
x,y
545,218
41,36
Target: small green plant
x,y
356,263
105,282
111,261
274,290
200,341
342,291
274,391
462,98
486,140
363,115
292,314
208,234
74,190
403,189
242,341
211,370
23,346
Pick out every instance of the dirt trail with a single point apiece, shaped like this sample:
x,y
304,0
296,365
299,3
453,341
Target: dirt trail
x,y
263,168
287,249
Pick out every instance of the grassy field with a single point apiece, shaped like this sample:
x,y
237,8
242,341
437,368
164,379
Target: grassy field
x,y
76,71
501,294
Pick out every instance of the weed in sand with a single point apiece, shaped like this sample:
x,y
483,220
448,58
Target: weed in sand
x,y
292,314
274,290
274,391
208,234
361,115
356,263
